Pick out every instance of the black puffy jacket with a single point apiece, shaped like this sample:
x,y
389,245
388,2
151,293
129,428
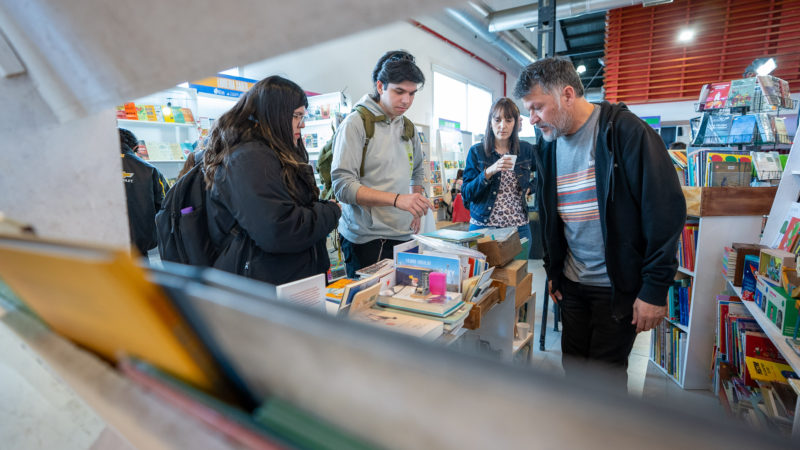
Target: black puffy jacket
x,y
282,240
145,189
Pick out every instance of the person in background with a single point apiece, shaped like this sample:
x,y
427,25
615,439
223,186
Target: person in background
x,y
677,146
378,210
456,189
145,189
495,185
195,157
263,203
612,211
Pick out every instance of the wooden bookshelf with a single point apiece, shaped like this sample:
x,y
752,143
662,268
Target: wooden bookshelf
x,y
728,201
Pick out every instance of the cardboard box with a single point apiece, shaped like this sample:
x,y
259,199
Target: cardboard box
x,y
781,310
743,250
772,261
512,273
523,290
500,253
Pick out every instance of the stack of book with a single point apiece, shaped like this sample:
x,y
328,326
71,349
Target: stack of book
x,y
750,375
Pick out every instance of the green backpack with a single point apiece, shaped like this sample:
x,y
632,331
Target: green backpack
x,y
326,155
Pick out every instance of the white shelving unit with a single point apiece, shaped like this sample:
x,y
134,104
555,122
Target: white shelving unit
x,y
714,234
166,132
319,128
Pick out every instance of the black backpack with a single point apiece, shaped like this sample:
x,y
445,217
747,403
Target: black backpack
x,y
182,225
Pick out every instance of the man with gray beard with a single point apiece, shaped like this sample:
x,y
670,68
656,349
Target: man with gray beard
x,y
611,210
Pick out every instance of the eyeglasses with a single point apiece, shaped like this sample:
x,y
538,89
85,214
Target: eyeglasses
x,y
302,117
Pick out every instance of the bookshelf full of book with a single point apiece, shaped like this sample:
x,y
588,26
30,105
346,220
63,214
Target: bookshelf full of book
x,y
757,356
165,124
450,155
728,175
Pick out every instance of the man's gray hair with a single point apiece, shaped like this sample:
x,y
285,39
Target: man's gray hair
x,y
552,74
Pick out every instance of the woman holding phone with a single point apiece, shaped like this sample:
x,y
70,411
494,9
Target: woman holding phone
x,y
498,173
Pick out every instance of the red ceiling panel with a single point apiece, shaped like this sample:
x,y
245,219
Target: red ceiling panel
x,y
646,63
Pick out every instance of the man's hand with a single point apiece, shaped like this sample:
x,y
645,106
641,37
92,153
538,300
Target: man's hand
x,y
415,225
416,204
647,316
555,296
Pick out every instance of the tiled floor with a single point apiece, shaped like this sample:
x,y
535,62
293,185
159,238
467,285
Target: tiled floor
x,y
644,380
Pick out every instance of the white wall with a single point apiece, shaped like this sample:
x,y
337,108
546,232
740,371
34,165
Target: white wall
x,y
347,63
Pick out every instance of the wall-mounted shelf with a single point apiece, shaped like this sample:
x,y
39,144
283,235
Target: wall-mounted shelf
x,y
155,124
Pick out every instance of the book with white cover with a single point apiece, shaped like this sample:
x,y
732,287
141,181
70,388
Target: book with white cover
x,y
426,329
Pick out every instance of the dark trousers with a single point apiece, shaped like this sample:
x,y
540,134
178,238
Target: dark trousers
x,y
358,256
591,334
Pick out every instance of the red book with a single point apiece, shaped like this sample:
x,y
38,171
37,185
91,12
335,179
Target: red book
x,y
759,345
718,95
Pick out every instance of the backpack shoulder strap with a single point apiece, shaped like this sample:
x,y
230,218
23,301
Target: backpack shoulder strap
x,y
369,120
408,129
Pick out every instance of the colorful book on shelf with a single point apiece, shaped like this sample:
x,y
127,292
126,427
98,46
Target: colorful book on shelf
x,y
741,93
141,114
724,173
789,239
726,305
177,114
718,129
786,94
166,114
701,101
141,150
781,133
766,129
188,117
770,89
121,112
749,277
766,370
718,95
130,111
743,129
150,113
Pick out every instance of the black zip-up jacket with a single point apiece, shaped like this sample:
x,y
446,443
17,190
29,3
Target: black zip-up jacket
x,y
642,209
278,239
145,189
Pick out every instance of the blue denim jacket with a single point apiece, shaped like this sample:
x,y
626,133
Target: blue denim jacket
x,y
479,193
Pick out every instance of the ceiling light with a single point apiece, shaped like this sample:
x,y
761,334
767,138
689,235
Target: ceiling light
x,y
686,35
581,69
767,67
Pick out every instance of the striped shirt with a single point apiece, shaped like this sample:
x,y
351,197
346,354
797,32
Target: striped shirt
x,y
577,205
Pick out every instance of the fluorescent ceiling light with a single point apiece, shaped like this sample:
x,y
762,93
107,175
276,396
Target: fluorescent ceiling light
x,y
767,67
686,35
581,69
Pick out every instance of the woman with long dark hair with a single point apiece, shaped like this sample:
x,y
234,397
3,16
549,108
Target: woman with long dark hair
x,y
263,200
498,173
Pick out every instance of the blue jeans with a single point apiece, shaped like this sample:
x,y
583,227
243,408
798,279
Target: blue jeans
x,y
523,230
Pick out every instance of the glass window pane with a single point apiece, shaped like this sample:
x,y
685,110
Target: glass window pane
x,y
479,102
449,99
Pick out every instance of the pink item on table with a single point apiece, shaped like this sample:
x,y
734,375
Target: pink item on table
x,y
437,282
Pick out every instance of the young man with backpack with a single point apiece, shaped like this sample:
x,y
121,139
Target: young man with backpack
x,y
372,170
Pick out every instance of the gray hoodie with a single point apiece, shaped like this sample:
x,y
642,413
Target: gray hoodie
x,y
392,165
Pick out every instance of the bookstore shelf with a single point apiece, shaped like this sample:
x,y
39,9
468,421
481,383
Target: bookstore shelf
x,y
769,328
678,325
666,373
155,124
682,269
319,122
714,233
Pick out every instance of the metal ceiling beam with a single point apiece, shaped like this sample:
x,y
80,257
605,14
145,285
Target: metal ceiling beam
x,y
510,46
528,15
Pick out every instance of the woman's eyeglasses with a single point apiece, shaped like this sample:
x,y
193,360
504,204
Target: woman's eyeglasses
x,y
302,117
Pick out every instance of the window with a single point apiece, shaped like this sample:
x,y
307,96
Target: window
x,y
460,101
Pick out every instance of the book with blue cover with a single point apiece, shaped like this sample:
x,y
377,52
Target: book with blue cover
x,y
451,267
742,130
